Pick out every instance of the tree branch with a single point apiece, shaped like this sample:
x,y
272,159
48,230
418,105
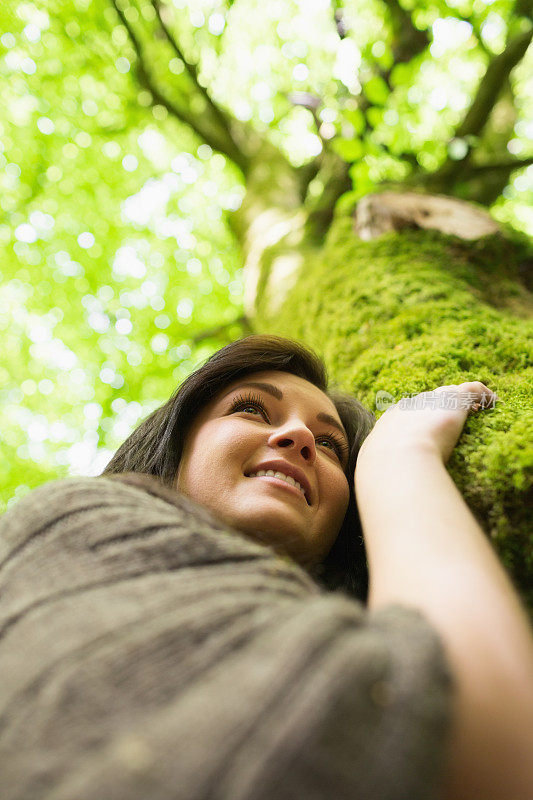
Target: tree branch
x,y
199,126
335,175
508,165
210,333
522,8
409,40
147,81
218,114
491,84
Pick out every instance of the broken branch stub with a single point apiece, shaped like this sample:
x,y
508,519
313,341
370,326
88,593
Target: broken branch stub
x,y
384,212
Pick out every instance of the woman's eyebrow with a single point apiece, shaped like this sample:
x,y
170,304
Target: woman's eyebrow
x,y
322,416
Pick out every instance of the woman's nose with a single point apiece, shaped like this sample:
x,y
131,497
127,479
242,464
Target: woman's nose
x,y
295,437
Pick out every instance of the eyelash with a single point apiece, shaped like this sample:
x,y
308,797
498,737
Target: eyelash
x,y
253,400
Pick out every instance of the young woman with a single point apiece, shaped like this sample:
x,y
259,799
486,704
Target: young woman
x,y
267,594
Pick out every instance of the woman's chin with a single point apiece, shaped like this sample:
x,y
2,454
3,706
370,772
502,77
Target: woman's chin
x,y
277,530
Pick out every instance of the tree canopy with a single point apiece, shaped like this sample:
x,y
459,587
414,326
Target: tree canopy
x,y
126,142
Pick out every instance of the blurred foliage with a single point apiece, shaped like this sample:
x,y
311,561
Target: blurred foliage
x,y
119,266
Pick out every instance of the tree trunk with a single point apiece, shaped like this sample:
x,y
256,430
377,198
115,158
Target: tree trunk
x,y
407,308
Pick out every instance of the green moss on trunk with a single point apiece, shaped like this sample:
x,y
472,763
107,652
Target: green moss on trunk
x,y
411,311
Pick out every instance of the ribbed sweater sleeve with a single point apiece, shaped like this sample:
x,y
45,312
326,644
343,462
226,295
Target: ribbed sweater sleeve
x,y
147,650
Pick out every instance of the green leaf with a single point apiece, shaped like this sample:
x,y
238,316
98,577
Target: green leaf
x,y
348,149
375,116
356,118
376,91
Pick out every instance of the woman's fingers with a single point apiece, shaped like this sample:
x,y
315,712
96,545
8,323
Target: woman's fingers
x,y
434,417
471,395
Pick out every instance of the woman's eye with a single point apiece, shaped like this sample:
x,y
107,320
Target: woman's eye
x,y
247,405
337,446
248,408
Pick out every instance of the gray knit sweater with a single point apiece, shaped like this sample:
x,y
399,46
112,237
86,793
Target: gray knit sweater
x,y
149,652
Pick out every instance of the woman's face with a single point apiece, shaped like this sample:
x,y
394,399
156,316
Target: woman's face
x,y
286,424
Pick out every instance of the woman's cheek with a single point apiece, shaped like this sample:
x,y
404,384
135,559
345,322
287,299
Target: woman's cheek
x,y
344,496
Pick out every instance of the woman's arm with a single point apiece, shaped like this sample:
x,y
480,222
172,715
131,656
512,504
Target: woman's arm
x,y
425,549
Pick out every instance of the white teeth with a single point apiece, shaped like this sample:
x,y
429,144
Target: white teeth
x,y
271,474
286,478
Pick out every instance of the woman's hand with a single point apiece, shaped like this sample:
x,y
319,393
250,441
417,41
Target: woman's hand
x,y
431,419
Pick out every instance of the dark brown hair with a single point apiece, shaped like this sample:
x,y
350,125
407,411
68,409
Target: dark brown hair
x,y
156,446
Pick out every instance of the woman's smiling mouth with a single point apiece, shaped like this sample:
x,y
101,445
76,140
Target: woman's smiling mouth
x,y
279,479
